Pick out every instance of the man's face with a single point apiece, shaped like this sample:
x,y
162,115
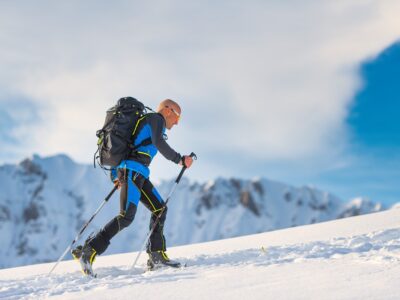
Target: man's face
x,y
172,116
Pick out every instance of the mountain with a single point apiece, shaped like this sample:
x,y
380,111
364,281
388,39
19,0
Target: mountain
x,y
352,258
45,201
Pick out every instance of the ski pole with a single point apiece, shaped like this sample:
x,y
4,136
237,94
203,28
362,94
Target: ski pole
x,y
83,228
178,179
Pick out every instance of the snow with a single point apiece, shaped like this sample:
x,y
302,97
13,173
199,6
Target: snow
x,y
352,258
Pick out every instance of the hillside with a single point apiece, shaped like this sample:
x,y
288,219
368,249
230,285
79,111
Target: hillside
x,y
353,258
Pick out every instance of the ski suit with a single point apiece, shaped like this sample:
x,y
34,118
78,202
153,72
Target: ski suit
x,y
133,175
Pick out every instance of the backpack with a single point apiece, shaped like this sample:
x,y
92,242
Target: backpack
x,y
115,138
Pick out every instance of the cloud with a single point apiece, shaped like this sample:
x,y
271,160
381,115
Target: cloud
x,y
269,81
18,119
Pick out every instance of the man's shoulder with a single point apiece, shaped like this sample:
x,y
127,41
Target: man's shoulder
x,y
155,117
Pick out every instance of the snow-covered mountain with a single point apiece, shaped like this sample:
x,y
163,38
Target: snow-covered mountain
x,y
45,201
352,258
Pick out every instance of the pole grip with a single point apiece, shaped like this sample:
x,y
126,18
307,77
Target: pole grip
x,y
192,155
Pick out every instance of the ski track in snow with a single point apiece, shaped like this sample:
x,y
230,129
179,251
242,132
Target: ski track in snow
x,y
378,247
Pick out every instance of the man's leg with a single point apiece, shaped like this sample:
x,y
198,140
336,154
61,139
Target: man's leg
x,y
131,183
156,246
153,201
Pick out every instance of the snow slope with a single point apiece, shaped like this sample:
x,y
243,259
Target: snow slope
x,y
352,258
45,201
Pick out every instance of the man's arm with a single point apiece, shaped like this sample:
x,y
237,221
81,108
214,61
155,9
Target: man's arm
x,y
157,124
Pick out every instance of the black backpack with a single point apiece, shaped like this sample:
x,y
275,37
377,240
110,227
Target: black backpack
x,y
115,138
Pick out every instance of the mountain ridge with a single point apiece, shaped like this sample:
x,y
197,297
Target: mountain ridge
x,y
45,201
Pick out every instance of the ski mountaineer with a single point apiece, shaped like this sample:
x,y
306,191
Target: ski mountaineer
x,y
132,178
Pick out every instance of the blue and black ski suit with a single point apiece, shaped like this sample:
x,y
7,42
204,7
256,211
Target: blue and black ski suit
x,y
133,175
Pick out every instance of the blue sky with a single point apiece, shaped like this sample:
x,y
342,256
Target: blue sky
x,y
265,92
374,128
375,124
374,116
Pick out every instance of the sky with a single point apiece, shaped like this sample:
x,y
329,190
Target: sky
x,y
301,92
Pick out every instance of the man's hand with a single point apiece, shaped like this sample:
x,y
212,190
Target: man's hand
x,y
186,161
117,183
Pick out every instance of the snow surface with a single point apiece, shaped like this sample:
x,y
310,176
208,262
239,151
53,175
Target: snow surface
x,y
352,258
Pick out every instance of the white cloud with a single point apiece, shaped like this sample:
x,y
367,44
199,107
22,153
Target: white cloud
x,y
266,79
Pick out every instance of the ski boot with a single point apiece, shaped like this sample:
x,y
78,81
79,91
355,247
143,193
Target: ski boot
x,y
86,256
159,259
77,252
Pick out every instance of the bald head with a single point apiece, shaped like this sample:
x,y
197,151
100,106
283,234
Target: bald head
x,y
169,103
171,111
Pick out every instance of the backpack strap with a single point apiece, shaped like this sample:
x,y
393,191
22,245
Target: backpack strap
x,y
139,125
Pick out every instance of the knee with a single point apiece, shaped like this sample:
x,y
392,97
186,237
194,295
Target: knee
x,y
125,218
164,215
124,221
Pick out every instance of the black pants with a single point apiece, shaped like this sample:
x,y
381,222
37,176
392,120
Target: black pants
x,y
134,188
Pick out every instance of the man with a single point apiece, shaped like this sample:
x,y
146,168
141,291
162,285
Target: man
x,y
132,178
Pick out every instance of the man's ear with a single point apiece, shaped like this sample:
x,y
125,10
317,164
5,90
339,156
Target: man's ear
x,y
163,112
